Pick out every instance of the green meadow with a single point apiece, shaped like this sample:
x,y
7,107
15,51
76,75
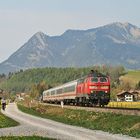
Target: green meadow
x,y
6,121
109,122
133,77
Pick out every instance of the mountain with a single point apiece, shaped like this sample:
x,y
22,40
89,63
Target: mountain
x,y
113,44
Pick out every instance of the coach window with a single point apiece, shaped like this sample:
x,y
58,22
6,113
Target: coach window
x,y
65,89
47,93
59,91
53,92
71,88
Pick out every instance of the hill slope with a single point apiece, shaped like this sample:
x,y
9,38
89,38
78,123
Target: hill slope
x,y
133,77
115,44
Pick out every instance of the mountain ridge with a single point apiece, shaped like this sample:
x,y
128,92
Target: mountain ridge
x,y
113,44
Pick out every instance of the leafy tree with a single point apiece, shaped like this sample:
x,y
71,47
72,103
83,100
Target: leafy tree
x,y
138,86
34,92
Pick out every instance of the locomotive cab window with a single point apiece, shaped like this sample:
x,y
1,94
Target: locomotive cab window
x,y
94,79
103,79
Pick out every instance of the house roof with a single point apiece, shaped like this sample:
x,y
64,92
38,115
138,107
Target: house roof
x,y
128,92
123,92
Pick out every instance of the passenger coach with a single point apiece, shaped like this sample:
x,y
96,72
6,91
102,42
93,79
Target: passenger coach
x,y
66,92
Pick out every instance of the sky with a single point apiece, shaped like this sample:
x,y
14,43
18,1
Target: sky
x,y
21,19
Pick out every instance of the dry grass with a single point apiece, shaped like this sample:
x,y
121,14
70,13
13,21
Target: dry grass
x,y
133,77
135,127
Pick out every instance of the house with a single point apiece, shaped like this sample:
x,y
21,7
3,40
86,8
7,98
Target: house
x,y
19,96
128,96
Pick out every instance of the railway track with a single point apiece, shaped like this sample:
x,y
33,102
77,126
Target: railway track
x,y
125,111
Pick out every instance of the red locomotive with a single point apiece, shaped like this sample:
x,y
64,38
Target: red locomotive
x,y
90,90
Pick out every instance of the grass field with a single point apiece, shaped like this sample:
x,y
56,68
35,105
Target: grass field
x,y
109,122
6,121
132,76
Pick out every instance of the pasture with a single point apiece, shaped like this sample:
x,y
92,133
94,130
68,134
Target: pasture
x,y
133,77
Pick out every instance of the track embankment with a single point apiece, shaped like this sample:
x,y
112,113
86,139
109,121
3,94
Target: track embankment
x,y
124,111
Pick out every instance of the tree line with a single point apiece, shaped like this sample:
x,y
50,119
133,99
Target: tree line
x,y
36,80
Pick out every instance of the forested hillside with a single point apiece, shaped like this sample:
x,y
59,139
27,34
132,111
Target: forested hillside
x,y
44,78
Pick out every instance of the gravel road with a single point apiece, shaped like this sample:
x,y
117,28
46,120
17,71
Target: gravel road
x,y
31,125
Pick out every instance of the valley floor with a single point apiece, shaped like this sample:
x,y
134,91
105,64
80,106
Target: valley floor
x,y
31,125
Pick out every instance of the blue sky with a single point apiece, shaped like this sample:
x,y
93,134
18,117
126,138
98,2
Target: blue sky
x,y
20,19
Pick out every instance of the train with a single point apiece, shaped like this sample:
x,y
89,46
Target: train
x,y
93,89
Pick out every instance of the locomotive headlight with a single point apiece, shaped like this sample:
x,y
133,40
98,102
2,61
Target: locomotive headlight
x,y
93,87
104,87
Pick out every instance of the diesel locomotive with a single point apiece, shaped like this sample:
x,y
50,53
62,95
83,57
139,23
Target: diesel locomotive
x,y
93,89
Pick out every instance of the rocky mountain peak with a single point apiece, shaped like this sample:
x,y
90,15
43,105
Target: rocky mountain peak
x,y
125,25
38,38
39,34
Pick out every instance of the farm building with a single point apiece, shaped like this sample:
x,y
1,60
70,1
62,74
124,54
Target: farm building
x,y
131,96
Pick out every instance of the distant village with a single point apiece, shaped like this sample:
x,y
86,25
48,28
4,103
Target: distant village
x,y
126,96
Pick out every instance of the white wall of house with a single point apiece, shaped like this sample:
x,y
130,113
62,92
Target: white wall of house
x,y
129,98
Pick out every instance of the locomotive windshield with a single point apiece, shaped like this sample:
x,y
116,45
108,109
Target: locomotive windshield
x,y
94,79
97,79
103,79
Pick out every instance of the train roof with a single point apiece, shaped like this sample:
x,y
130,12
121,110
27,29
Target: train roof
x,y
97,75
71,83
94,74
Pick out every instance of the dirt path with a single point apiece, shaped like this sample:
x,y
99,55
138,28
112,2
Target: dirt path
x,y
31,125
